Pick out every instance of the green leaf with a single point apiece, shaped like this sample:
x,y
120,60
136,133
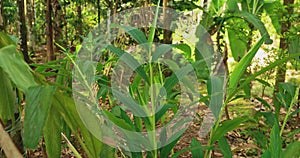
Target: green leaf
x,y
119,122
164,152
270,117
275,146
294,46
7,97
264,102
215,91
130,61
262,71
67,109
265,83
162,111
52,130
38,103
232,6
5,40
238,46
271,9
136,34
225,147
260,138
160,51
14,65
185,48
292,150
252,19
196,153
227,126
266,154
153,26
240,68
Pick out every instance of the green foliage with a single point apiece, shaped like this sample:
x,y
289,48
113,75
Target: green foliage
x,y
237,44
7,98
196,153
50,110
225,147
241,67
38,99
13,64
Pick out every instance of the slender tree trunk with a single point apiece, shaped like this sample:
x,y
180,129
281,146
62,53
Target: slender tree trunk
x,y
98,12
49,31
167,32
80,24
65,23
283,46
167,23
30,17
58,25
2,28
23,30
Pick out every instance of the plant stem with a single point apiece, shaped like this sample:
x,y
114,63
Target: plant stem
x,y
289,111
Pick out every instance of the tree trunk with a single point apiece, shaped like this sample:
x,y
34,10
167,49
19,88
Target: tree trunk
x,y
281,70
80,24
23,31
30,17
58,25
65,23
98,12
167,32
49,31
2,28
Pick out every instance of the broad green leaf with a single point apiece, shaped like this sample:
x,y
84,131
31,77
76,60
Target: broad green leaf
x,y
240,68
14,65
238,46
7,97
130,103
225,147
185,48
93,124
196,153
216,6
52,133
294,46
260,138
160,51
263,70
136,34
130,61
164,152
227,126
232,6
66,107
266,154
5,40
215,91
270,8
275,146
119,122
108,151
263,102
38,103
162,111
292,150
252,19
270,117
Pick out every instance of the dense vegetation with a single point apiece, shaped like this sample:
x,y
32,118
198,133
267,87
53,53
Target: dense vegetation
x,y
171,78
